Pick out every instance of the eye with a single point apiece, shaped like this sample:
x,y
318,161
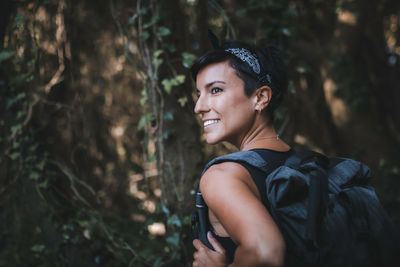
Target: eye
x,y
216,90
198,93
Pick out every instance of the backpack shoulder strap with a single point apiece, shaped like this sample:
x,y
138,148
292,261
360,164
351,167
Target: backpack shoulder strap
x,y
250,157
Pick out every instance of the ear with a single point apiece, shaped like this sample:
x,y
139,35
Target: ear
x,y
262,97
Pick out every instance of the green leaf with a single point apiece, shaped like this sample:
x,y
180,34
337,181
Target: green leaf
x,y
173,239
21,96
44,184
34,175
167,85
165,209
169,116
153,21
158,52
15,145
11,102
143,101
15,155
35,49
187,220
144,98
142,122
188,59
182,101
291,87
145,35
180,79
163,31
303,68
6,54
16,128
132,20
21,78
14,100
20,114
31,62
174,219
143,11
41,165
169,46
17,60
38,248
33,148
241,12
19,20
84,224
158,262
157,62
286,31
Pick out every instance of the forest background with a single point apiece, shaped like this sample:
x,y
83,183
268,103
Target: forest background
x,y
100,150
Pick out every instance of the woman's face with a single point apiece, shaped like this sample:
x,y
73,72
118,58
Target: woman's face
x,y
227,113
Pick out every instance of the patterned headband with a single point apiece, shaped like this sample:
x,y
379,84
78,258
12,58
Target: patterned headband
x,y
251,60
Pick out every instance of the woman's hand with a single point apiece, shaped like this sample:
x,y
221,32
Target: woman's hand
x,y
207,257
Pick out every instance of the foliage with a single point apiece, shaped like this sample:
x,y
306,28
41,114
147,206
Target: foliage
x,y
96,116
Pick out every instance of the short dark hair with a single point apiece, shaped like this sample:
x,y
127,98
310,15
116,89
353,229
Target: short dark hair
x,y
270,60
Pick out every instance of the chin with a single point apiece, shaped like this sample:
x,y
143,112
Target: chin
x,y
212,140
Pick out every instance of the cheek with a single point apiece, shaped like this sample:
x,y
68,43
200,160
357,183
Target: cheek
x,y
239,112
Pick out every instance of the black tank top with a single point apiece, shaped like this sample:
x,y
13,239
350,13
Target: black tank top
x,y
277,158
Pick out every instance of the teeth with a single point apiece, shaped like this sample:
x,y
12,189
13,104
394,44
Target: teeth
x,y
206,123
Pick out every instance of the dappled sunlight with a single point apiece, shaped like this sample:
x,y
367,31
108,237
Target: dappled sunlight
x,y
149,206
391,36
303,83
138,217
339,109
304,141
157,228
347,17
117,131
101,152
134,191
300,139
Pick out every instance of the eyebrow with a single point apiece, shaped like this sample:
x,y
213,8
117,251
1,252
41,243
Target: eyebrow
x,y
211,83
208,85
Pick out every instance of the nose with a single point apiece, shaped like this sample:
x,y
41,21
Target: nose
x,y
201,105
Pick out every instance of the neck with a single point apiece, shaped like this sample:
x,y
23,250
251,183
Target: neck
x,y
261,137
273,137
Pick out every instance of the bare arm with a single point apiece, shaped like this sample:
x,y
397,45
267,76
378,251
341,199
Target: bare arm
x,y
227,190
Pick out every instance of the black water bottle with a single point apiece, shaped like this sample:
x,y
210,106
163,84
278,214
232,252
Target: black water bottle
x,y
203,222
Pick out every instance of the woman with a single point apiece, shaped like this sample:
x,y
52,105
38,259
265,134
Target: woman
x,y
239,87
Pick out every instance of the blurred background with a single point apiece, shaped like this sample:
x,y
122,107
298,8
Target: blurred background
x,y
100,150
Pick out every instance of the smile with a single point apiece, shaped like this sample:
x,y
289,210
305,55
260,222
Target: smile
x,y
209,122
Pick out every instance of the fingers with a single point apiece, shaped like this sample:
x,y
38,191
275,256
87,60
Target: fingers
x,y
198,244
216,245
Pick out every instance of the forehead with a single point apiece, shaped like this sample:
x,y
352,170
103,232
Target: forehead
x,y
221,71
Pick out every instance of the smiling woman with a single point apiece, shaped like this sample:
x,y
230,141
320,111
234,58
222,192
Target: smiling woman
x,y
239,87
222,104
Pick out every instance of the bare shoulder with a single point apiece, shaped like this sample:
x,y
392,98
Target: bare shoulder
x,y
226,177
225,172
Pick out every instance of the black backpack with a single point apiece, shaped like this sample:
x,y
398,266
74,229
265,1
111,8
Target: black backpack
x,y
327,212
